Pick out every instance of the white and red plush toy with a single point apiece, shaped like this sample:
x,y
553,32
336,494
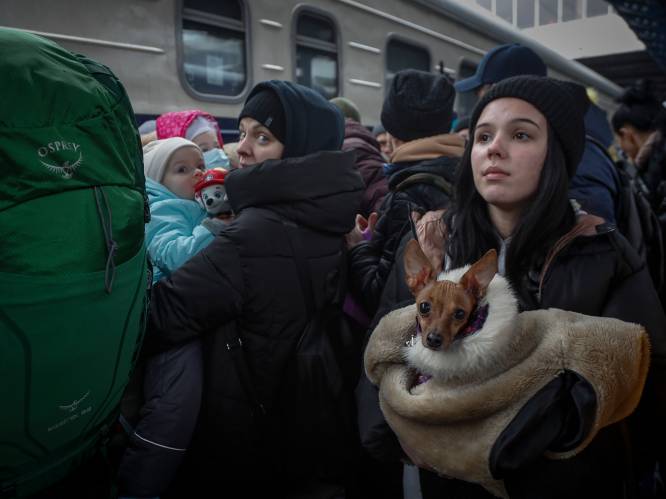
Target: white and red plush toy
x,y
211,194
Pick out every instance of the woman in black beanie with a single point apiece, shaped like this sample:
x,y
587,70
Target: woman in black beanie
x,y
526,138
250,294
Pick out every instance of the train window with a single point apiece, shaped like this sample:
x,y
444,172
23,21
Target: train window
x,y
547,12
525,13
317,53
486,4
596,8
214,47
572,9
504,9
465,101
404,55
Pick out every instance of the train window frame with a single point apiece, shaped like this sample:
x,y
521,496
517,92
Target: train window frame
x,y
407,41
214,21
297,40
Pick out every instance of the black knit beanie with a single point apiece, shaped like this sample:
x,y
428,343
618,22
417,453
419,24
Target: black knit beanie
x,y
418,105
266,108
563,103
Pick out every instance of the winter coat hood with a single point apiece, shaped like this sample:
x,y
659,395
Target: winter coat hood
x,y
313,124
157,192
320,190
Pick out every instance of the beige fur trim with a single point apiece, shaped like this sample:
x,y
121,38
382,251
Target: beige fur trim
x,y
451,426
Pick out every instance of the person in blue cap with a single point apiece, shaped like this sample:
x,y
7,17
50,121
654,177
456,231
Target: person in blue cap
x,y
501,63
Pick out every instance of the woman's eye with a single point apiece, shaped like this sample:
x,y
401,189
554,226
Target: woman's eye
x,y
522,136
241,135
424,308
263,139
459,314
483,137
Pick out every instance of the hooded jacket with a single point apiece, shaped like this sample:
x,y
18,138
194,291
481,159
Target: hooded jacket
x,y
370,164
174,233
596,183
247,278
371,261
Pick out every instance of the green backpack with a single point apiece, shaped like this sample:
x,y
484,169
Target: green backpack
x,y
73,273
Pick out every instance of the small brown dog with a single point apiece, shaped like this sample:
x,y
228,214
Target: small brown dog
x,y
459,318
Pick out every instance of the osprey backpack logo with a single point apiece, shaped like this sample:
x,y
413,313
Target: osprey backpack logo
x,y
67,168
74,405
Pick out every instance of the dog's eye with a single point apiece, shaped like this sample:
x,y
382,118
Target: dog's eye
x,y
459,314
424,308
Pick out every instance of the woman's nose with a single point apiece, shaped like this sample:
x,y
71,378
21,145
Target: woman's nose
x,y
496,147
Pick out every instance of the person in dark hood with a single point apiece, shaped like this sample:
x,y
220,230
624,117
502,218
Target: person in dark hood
x,y
369,160
417,112
596,184
292,174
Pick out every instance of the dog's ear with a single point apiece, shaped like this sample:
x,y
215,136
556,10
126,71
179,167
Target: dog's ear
x,y
478,277
418,271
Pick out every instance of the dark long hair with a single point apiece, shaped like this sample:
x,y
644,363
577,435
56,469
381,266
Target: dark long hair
x,y
547,217
639,107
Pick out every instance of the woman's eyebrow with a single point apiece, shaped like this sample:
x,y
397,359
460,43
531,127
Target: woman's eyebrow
x,y
525,120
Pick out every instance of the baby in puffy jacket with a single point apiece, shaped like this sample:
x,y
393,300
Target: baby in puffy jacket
x,y
172,380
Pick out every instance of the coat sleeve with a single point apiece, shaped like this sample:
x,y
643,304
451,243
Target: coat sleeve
x,y
198,298
372,261
174,237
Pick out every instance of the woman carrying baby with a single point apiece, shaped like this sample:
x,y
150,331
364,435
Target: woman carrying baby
x,y
526,138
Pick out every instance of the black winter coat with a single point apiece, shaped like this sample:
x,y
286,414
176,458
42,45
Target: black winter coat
x,y
372,261
247,279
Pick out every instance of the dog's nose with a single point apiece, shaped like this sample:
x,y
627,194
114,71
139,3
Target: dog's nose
x,y
209,201
434,340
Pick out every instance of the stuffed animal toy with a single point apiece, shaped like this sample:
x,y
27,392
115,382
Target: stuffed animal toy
x,y
210,193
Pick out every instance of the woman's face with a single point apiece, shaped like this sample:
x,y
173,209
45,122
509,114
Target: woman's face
x,y
185,169
629,141
509,148
256,143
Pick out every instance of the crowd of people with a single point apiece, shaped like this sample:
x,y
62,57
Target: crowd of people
x,y
532,173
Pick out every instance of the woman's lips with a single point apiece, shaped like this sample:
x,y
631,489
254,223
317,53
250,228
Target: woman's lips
x,y
494,173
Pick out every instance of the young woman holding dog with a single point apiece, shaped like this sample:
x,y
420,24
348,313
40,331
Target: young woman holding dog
x,y
527,136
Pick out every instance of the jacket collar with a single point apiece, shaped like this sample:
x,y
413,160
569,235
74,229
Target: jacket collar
x,y
449,145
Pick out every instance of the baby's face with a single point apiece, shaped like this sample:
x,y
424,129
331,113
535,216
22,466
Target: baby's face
x,y
185,169
206,141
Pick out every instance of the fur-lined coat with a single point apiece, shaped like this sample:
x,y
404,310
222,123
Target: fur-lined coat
x,y
457,425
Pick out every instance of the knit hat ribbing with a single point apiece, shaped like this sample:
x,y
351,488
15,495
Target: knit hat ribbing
x,y
157,153
563,104
266,108
418,105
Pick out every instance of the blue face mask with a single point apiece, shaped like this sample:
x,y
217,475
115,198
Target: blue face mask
x,y
215,158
